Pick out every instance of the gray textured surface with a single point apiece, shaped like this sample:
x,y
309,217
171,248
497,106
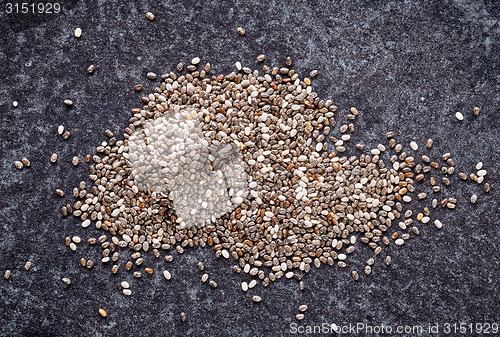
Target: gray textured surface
x,y
408,67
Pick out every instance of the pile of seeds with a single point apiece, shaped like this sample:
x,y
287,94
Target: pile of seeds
x,y
305,206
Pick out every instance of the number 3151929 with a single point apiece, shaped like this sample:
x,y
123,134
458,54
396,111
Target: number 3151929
x,y
32,8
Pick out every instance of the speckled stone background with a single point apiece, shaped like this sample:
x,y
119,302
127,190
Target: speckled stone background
x,y
407,66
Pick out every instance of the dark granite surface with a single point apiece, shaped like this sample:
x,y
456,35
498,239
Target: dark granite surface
x,y
407,66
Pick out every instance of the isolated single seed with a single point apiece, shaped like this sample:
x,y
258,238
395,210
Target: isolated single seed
x,y
244,286
257,299
15,104
91,69
388,260
26,162
102,312
167,275
27,265
414,146
195,60
204,278
19,165
261,58
438,224
302,308
183,316
459,116
476,111
127,292
66,280
68,102
473,199
6,274
486,187
75,161
78,32
150,16
240,31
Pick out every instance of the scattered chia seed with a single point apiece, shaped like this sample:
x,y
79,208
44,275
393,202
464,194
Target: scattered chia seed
x,y
271,236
